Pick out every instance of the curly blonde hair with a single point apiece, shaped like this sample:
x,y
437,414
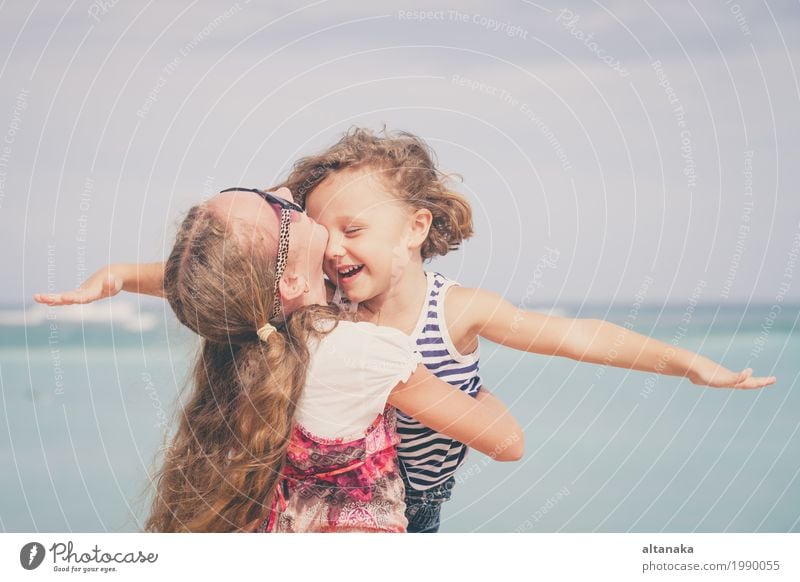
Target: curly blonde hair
x,y
407,166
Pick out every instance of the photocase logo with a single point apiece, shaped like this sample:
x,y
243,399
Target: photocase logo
x,y
31,555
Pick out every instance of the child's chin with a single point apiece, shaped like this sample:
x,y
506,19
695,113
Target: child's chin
x,y
357,293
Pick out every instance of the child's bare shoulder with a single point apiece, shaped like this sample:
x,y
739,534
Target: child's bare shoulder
x,y
460,299
466,299
466,308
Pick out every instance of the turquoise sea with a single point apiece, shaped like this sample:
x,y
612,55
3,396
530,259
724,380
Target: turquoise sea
x,y
88,395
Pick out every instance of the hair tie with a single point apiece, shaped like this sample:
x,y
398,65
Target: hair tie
x,y
265,331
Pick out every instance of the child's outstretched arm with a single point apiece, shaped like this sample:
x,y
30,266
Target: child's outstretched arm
x,y
483,424
591,340
146,278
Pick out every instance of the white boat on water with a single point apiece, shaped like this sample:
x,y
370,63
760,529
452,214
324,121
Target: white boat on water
x,y
125,314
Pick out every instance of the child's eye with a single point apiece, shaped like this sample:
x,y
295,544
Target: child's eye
x,y
352,230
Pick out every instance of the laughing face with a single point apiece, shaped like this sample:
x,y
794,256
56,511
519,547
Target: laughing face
x,y
369,232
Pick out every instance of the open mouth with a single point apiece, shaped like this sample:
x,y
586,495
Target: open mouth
x,y
349,271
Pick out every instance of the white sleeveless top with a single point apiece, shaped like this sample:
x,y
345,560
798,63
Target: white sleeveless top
x,y
352,371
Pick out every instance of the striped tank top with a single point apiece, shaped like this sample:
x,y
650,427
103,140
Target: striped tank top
x,y
429,458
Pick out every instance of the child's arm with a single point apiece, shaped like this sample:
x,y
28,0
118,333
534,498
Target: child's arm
x,y
483,424
146,278
590,340
491,402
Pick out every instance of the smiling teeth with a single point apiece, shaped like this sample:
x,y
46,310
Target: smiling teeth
x,y
349,270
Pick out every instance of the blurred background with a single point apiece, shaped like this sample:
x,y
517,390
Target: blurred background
x,y
624,161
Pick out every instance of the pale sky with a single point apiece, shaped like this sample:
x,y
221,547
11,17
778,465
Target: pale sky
x,y
605,147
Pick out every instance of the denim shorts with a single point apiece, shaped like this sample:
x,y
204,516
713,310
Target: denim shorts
x,y
424,508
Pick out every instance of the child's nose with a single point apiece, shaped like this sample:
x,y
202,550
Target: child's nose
x,y
335,249
284,193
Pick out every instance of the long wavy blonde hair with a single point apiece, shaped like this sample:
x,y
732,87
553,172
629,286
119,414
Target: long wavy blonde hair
x,y
407,165
221,468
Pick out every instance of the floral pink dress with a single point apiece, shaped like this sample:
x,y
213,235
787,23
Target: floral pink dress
x,y
342,472
333,485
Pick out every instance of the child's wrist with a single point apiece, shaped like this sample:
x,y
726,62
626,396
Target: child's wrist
x,y
697,367
121,272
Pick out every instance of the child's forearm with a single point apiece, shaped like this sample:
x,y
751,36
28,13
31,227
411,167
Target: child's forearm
x,y
483,423
601,342
145,278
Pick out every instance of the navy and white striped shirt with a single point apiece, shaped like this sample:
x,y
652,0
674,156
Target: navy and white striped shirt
x,y
429,458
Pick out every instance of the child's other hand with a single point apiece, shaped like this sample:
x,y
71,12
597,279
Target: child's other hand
x,y
104,283
708,373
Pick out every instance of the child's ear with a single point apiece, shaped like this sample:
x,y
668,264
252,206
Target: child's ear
x,y
420,226
291,286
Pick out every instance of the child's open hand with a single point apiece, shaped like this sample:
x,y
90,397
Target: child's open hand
x,y
708,373
103,283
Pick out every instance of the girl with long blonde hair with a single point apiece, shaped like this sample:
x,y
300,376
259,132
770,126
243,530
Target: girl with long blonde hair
x,y
291,423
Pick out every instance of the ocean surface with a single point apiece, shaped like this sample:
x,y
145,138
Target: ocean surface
x,y
90,393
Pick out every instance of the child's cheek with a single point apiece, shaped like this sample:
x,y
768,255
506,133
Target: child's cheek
x,y
401,257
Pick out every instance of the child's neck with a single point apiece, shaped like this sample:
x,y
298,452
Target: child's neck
x,y
400,306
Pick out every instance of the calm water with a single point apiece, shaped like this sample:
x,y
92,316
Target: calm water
x,y
86,406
